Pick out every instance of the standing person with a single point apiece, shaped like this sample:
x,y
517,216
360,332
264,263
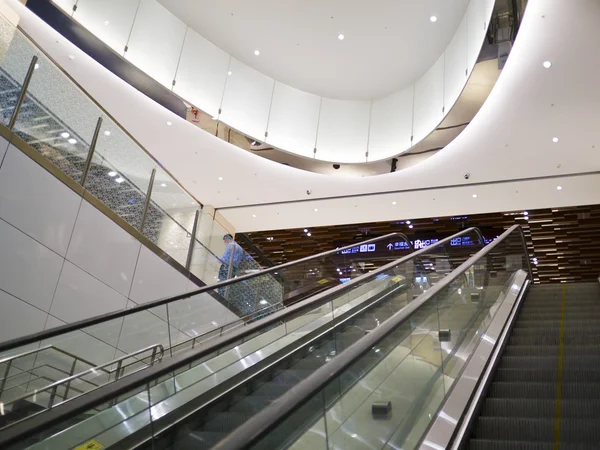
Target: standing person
x,y
232,255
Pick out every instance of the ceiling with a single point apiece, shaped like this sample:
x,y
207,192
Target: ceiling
x,y
387,45
507,148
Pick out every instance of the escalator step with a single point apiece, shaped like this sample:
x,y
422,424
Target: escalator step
x,y
226,422
548,350
528,429
549,362
553,339
543,390
540,408
484,444
547,375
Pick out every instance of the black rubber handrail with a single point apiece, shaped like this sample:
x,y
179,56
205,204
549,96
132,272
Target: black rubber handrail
x,y
266,420
74,326
87,402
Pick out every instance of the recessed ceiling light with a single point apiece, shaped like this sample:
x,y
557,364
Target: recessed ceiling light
x,y
309,234
120,180
316,210
410,226
433,19
112,173
547,64
256,52
559,188
230,73
555,140
354,435
72,141
306,230
254,215
107,133
341,36
220,178
64,134
408,222
393,203
525,213
163,185
169,123
474,195
106,22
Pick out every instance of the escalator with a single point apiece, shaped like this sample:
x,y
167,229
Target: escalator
x,y
199,396
545,393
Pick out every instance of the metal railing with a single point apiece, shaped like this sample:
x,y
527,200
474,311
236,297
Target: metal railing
x,y
260,424
99,396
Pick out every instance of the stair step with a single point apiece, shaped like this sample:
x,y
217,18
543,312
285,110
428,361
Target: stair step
x,y
542,430
540,390
540,408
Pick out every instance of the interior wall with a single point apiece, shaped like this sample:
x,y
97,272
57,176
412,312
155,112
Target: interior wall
x,y
62,260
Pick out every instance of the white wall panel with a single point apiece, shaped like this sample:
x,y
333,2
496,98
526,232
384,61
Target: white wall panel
x,y
79,295
455,66
202,72
247,100
391,124
155,279
294,119
197,315
476,23
110,20
3,147
429,100
18,318
28,270
144,329
156,41
37,203
104,249
343,130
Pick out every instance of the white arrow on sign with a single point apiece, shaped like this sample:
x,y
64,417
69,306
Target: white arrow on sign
x,y
390,246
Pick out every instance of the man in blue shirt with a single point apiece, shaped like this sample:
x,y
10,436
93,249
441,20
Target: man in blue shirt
x,y
232,255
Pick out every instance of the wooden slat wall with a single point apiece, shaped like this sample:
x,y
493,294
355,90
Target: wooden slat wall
x,y
565,241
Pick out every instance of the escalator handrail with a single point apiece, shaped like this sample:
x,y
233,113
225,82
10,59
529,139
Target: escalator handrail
x,y
261,423
74,326
90,400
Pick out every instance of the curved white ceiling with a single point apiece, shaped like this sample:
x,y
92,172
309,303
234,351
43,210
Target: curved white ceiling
x,y
387,44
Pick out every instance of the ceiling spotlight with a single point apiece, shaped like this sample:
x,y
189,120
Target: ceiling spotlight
x,y
120,180
559,188
256,52
107,133
64,134
254,215
306,230
72,141
408,222
433,19
547,64
163,185
309,234
393,203
474,195
112,173
220,178
316,210
169,123
555,140
230,73
106,22
341,36
410,226
525,213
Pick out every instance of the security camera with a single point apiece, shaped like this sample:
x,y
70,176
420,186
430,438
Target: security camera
x,y
336,166
467,176
308,192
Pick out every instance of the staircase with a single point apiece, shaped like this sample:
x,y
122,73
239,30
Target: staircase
x,y
546,390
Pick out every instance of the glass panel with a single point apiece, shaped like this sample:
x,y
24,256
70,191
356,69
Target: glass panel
x,y
170,217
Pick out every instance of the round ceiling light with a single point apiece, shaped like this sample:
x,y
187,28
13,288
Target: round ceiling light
x,y
341,36
547,64
256,52
555,140
559,188
474,195
433,19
